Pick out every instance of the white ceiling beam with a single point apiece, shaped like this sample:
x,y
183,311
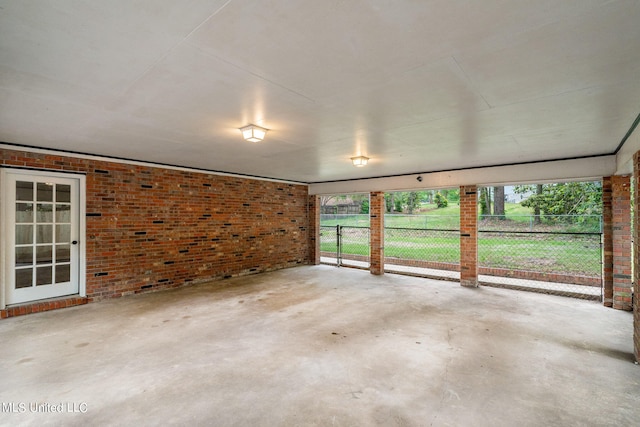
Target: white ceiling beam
x,y
591,168
624,158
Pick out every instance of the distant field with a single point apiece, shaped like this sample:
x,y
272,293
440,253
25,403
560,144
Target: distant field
x,y
430,217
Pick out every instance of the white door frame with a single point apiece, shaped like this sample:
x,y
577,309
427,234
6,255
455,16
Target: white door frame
x,y
5,205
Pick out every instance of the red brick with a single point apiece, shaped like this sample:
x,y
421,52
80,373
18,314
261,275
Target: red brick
x,y
169,228
314,229
376,223
469,235
616,201
636,256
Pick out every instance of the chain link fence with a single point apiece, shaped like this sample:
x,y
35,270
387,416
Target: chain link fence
x,y
558,255
541,223
345,245
329,244
426,252
560,263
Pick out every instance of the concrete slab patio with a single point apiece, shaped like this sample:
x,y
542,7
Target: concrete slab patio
x,y
322,346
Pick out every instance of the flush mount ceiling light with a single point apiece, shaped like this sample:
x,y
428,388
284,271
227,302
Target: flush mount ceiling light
x,y
253,133
359,161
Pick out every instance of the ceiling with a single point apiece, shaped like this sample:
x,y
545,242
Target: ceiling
x,y
417,86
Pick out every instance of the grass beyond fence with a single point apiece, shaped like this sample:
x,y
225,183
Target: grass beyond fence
x,y
419,244
573,254
449,219
563,253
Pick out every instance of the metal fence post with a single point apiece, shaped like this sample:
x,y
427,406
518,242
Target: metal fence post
x,y
601,262
338,245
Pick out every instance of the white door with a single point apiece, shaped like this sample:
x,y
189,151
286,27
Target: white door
x,y
42,229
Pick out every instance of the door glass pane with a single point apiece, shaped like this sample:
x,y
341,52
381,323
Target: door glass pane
x,y
24,212
24,234
63,233
45,223
63,253
24,276
24,256
43,275
45,192
24,190
63,213
44,254
63,193
63,273
44,234
44,213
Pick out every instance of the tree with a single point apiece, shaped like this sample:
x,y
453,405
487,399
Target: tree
x,y
440,200
453,195
498,202
536,209
324,203
353,199
389,201
364,207
485,201
412,201
571,198
362,200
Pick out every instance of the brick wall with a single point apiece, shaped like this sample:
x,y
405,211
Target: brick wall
x,y
607,246
314,229
636,255
150,228
621,228
376,214
469,235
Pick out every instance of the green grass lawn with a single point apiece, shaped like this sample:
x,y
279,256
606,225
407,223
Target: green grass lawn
x,y
578,255
425,238
555,254
429,216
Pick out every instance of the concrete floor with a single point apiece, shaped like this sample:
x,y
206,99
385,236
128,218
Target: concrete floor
x,y
322,346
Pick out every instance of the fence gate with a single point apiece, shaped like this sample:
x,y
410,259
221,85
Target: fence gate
x,y
345,245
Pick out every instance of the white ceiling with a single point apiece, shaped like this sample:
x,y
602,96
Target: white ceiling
x,y
417,86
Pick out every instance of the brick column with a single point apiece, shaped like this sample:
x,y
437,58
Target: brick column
x,y
621,233
636,255
314,229
469,235
607,247
376,215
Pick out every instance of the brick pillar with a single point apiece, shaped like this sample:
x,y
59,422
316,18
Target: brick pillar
x,y
376,215
314,229
607,247
469,235
636,255
621,233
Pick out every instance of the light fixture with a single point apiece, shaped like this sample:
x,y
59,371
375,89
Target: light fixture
x,y
359,161
253,133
